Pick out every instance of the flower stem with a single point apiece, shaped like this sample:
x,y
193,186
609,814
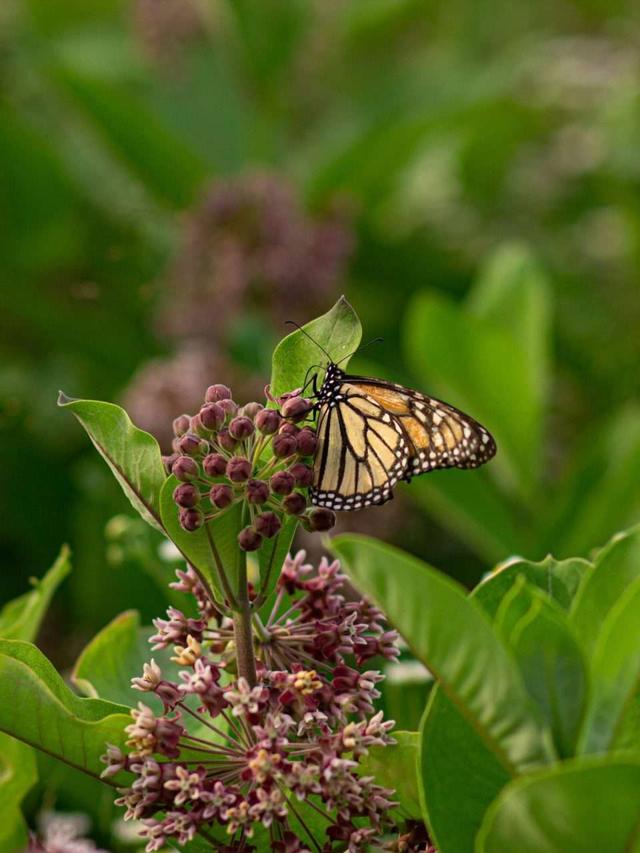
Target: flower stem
x,y
242,630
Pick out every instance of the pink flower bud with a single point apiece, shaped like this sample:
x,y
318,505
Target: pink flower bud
x,y
321,519
251,410
212,416
241,428
216,393
268,421
302,474
238,469
191,519
181,425
306,442
296,408
185,469
294,504
249,539
191,444
186,495
283,446
282,483
226,440
214,465
257,491
267,524
221,495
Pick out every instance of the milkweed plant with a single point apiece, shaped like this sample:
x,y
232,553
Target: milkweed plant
x,y
254,722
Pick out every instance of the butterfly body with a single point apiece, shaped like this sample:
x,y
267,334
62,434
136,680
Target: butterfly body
x,y
373,433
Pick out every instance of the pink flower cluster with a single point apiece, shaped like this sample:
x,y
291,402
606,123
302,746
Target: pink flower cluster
x,y
277,763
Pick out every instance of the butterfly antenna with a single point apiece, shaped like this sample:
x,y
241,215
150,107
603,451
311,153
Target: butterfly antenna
x,y
307,335
364,346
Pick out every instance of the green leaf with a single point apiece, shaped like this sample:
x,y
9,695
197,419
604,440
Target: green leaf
x,y
37,708
453,638
18,774
133,455
197,547
161,160
615,675
108,662
396,766
616,567
271,558
551,662
475,364
460,775
579,806
338,332
20,619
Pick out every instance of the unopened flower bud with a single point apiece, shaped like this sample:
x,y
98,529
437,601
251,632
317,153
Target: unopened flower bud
x,y
306,442
257,491
295,503
251,410
214,465
185,469
287,428
197,427
216,393
268,421
229,408
249,539
221,495
238,469
191,519
282,483
302,474
226,440
241,428
296,408
321,518
212,416
191,444
181,425
283,446
267,524
168,461
186,495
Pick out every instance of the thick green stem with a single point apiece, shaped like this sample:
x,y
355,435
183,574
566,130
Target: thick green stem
x,y
242,629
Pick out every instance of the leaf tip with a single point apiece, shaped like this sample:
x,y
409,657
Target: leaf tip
x,y
63,400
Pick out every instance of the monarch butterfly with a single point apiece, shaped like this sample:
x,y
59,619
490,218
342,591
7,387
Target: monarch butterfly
x,y
373,433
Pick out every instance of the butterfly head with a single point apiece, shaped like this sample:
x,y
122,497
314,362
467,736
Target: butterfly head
x,y
333,377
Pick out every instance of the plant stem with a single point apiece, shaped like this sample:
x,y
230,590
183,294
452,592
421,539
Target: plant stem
x,y
242,629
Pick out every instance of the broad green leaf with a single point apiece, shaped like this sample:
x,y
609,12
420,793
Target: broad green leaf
x,y
133,455
471,504
460,775
338,332
551,662
271,558
198,547
165,164
513,293
617,566
579,806
108,662
20,619
480,367
615,675
560,579
18,774
456,800
396,766
37,708
453,638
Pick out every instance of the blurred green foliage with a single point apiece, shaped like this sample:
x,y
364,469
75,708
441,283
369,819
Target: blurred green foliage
x,y
488,162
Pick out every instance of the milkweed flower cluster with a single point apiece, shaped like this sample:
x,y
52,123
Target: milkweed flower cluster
x,y
227,454
234,762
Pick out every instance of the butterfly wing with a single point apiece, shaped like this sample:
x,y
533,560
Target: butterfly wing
x,y
372,434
